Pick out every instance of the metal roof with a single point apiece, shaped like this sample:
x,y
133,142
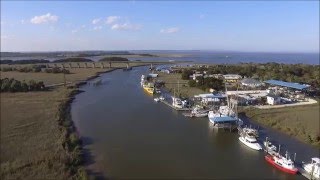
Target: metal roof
x,y
287,84
224,119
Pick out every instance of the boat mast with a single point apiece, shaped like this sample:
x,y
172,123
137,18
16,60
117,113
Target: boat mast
x,y
225,86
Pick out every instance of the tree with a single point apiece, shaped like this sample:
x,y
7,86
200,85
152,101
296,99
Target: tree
x,y
192,83
186,74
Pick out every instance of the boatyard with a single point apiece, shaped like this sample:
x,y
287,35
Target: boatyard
x,y
226,117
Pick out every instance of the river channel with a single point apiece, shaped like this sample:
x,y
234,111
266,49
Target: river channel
x,y
128,135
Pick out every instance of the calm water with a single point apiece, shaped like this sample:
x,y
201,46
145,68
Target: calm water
x,y
216,57
127,134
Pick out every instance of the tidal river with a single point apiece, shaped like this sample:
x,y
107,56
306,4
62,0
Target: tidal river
x,y
128,135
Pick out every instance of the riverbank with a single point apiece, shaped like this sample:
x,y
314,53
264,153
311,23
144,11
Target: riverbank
x,y
38,138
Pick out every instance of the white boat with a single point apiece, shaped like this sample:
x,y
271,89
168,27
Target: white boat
x,y
250,140
156,99
176,102
312,168
252,131
161,98
197,112
269,147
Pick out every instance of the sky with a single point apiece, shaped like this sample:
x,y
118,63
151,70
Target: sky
x,y
249,26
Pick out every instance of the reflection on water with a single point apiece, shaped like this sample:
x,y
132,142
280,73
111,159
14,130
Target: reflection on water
x,y
131,136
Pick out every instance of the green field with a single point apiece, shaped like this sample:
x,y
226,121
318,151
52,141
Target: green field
x,y
171,84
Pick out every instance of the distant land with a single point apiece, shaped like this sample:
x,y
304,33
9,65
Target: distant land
x,y
197,56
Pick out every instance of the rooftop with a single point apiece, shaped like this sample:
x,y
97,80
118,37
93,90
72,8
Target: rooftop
x,y
287,84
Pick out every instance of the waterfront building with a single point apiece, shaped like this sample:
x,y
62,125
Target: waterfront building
x,y
232,78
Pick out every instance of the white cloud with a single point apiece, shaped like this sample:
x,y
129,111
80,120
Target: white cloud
x,y
22,21
46,18
170,30
126,26
96,28
202,16
112,19
96,21
74,31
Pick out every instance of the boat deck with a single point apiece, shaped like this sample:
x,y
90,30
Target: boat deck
x,y
306,174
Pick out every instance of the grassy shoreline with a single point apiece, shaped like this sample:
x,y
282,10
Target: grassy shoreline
x,y
39,139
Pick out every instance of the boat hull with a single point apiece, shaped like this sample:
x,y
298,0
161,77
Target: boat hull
x,y
254,146
270,160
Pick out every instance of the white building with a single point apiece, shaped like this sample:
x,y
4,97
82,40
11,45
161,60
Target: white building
x,y
273,100
232,77
250,82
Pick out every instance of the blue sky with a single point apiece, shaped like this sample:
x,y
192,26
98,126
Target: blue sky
x,y
285,26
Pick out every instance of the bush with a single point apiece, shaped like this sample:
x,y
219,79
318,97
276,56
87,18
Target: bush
x,y
12,85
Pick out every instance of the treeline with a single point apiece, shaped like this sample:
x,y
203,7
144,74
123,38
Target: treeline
x,y
12,85
300,73
39,61
36,68
207,83
26,61
113,59
73,59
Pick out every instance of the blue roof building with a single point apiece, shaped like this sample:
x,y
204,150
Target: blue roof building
x,y
287,84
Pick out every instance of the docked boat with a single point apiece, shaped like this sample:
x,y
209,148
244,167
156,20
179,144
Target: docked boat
x,y
249,139
197,112
223,118
284,164
176,102
156,99
269,147
312,168
252,131
149,87
161,98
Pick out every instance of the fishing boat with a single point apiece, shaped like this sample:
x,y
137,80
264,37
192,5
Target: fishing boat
x,y
222,118
312,168
197,112
249,139
284,164
269,147
149,87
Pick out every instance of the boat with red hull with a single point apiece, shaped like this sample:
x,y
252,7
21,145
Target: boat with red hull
x,y
284,164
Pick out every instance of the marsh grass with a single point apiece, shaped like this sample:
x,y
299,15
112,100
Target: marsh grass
x,y
301,122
